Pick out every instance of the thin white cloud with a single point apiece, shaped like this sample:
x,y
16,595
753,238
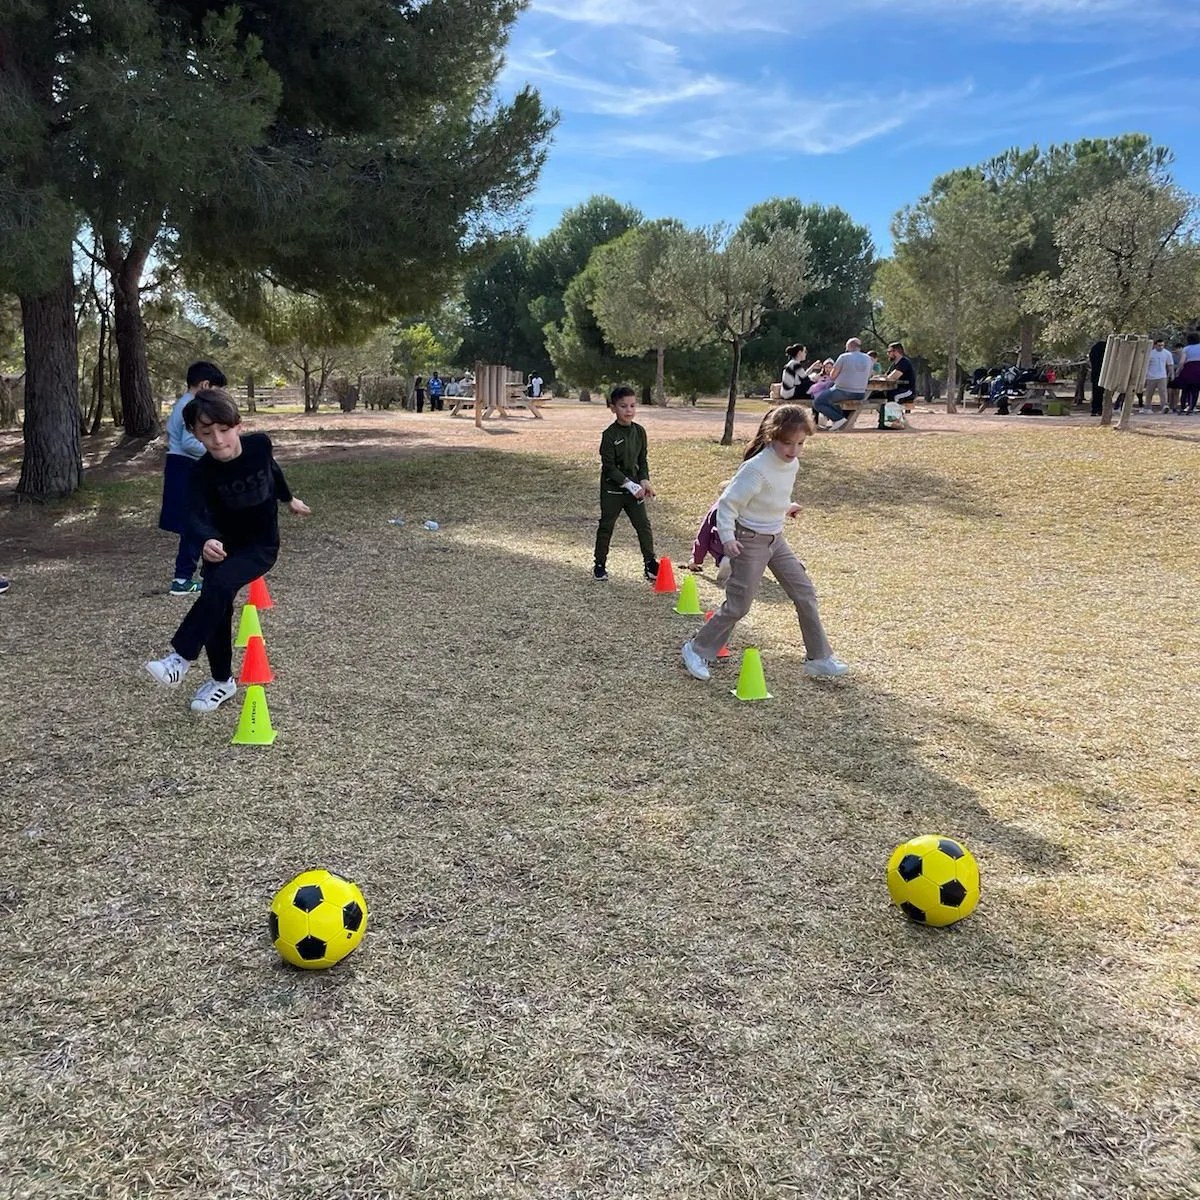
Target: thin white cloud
x,y
683,17
740,17
752,121
571,86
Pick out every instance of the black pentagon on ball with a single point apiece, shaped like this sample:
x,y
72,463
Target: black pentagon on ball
x,y
952,894
950,848
352,916
273,926
308,897
310,948
910,909
909,868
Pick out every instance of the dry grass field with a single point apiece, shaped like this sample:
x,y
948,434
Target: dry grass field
x,y
628,937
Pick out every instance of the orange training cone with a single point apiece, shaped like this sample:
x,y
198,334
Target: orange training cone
x,y
665,582
259,596
724,650
255,667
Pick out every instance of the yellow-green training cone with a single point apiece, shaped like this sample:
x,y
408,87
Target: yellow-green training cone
x,y
751,683
248,626
689,598
254,725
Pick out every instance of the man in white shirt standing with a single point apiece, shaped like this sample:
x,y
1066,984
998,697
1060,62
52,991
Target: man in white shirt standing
x,y
1160,367
535,386
850,375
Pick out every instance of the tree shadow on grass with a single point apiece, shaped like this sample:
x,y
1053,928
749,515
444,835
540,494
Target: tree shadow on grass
x,y
832,484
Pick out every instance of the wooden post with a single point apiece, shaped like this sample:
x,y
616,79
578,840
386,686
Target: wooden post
x,y
1137,377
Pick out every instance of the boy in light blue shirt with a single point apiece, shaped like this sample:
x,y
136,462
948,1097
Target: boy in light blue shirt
x,y
183,451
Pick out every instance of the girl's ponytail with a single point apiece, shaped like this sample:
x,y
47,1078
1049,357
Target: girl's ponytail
x,y
779,422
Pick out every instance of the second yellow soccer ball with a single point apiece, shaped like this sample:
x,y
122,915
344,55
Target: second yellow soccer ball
x,y
933,879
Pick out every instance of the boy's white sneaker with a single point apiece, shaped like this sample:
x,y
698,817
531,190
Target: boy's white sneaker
x,y
825,668
697,668
170,670
213,694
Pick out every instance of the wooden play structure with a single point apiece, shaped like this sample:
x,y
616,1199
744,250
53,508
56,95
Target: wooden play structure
x,y
497,389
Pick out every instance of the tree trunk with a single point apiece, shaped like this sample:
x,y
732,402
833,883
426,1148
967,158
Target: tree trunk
x,y
250,394
1106,408
309,405
139,412
952,374
52,464
734,374
660,393
1028,328
924,378
101,372
327,365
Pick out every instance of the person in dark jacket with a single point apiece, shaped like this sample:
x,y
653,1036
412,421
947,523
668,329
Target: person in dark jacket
x,y
624,482
236,489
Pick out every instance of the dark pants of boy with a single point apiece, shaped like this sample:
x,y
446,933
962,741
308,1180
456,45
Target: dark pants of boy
x,y
612,505
177,476
188,556
208,625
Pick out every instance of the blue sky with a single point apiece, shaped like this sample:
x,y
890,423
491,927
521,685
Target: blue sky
x,y
699,109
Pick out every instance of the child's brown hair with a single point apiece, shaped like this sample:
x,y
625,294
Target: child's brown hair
x,y
213,406
784,420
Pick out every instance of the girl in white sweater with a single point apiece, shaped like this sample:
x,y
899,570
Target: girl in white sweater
x,y
750,515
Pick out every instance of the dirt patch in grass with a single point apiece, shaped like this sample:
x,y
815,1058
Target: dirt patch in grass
x,y
628,937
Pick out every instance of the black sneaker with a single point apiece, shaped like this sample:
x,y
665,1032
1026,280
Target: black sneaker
x,y
3,586
651,571
183,587
598,572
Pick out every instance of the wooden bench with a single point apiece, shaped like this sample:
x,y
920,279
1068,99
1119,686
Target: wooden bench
x,y
850,407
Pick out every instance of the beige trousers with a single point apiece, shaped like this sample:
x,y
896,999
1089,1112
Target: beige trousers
x,y
760,551
1159,387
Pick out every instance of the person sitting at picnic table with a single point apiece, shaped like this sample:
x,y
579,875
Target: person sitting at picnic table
x,y
849,377
902,374
795,381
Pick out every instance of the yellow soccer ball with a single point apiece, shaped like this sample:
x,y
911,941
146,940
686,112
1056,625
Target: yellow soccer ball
x,y
317,919
934,880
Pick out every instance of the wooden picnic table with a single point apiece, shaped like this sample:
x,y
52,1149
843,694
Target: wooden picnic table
x,y
853,407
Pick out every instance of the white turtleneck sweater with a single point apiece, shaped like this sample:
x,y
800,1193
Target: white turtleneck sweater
x,y
758,495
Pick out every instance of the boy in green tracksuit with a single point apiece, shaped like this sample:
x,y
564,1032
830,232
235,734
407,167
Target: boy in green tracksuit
x,y
624,481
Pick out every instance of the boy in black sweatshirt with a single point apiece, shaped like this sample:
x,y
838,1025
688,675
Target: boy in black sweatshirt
x,y
235,490
624,482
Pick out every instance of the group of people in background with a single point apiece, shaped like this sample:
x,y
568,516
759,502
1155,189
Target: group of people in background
x,y
1173,376
437,390
854,377
434,388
